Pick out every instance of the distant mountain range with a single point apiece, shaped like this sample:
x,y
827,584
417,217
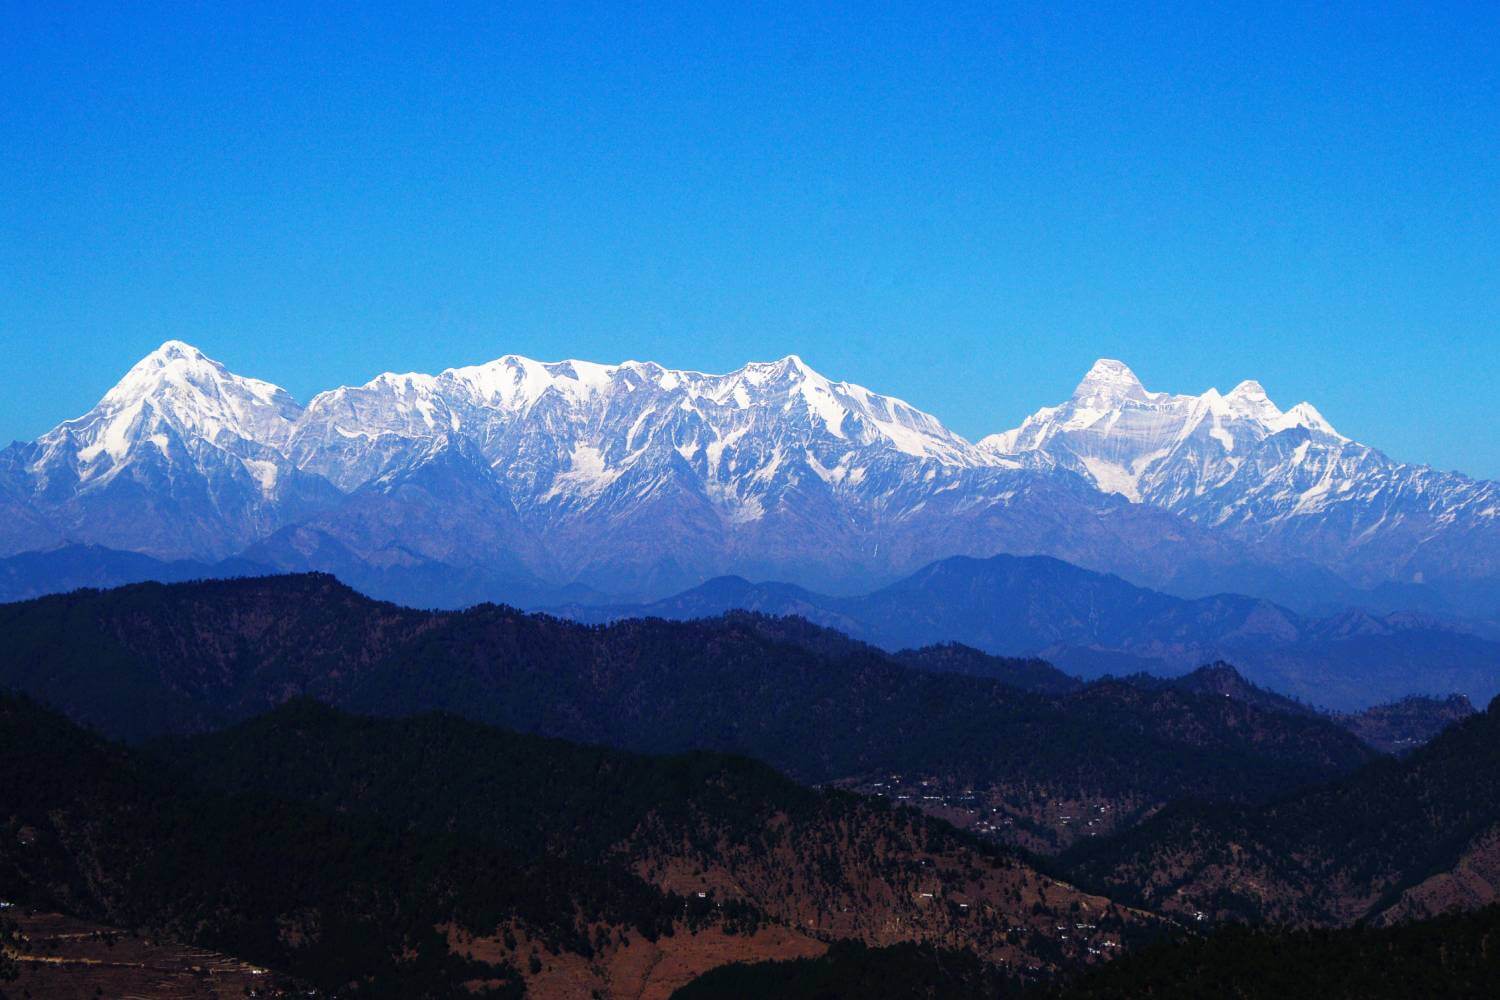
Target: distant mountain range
x,y
514,479
1091,624
1086,623
1285,481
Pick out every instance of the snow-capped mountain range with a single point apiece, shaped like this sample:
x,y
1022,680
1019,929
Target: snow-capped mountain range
x,y
637,479
1285,481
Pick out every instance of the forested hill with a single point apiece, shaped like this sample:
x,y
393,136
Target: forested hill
x,y
153,659
324,846
1393,727
1457,955
1401,837
1451,956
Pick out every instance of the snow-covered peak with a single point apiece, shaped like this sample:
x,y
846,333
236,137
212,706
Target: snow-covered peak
x,y
576,463
1155,446
515,383
845,410
1109,382
582,423
1111,401
174,401
408,404
175,350
1305,415
194,394
1249,401
789,367
181,371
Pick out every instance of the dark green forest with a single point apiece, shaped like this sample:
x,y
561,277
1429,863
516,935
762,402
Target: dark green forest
x,y
857,972
277,799
149,660
1454,956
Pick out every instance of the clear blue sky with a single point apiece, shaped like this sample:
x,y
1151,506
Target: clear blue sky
x,y
963,210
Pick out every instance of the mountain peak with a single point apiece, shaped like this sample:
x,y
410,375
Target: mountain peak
x,y
1306,415
1249,399
173,362
179,387
179,369
790,367
173,349
1109,381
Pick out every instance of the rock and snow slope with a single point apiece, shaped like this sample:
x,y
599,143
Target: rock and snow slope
x,y
1284,480
640,479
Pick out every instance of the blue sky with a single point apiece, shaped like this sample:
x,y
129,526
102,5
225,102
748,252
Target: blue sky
x,y
961,209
